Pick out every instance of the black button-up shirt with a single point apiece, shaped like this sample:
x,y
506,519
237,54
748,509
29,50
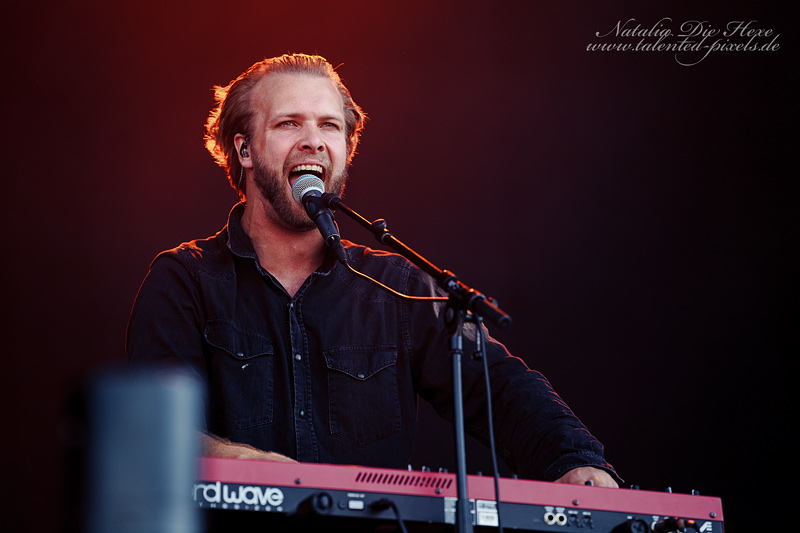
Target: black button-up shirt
x,y
332,374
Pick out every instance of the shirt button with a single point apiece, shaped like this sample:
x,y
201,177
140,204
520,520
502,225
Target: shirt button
x,y
360,375
298,357
302,414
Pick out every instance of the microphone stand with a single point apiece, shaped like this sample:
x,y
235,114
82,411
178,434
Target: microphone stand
x,y
461,301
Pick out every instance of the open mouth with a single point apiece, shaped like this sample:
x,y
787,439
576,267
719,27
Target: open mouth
x,y
299,170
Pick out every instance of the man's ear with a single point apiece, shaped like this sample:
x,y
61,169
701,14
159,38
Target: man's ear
x,y
242,143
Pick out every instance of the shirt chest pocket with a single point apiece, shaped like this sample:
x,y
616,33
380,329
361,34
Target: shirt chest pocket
x,y
363,395
242,380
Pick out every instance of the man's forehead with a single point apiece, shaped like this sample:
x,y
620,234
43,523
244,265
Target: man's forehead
x,y
293,93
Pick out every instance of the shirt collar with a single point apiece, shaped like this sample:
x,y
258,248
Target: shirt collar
x,y
239,242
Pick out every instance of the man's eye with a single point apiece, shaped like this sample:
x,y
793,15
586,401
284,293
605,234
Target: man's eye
x,y
331,126
286,123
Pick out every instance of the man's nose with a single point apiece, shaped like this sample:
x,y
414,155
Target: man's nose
x,y
311,140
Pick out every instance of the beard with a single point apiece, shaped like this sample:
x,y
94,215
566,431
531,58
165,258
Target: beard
x,y
274,188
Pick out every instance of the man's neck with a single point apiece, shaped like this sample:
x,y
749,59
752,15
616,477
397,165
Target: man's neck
x,y
290,256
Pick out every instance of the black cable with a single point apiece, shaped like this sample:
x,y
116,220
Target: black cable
x,y
386,503
481,352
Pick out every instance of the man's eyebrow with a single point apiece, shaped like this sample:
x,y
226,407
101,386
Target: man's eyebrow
x,y
301,115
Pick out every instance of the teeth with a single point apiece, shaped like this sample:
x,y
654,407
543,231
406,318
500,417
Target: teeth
x,y
308,168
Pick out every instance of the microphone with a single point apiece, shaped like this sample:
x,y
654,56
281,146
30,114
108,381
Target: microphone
x,y
307,191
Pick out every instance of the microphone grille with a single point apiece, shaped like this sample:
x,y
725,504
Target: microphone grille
x,y
305,183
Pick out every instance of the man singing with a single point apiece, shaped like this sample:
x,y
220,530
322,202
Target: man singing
x,y
303,359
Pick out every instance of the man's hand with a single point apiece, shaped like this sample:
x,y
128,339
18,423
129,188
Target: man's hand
x,y
584,474
213,446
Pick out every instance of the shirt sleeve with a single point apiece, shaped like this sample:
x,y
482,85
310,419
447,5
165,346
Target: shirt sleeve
x,y
536,433
166,325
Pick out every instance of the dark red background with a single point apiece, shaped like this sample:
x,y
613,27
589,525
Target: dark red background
x,y
634,216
